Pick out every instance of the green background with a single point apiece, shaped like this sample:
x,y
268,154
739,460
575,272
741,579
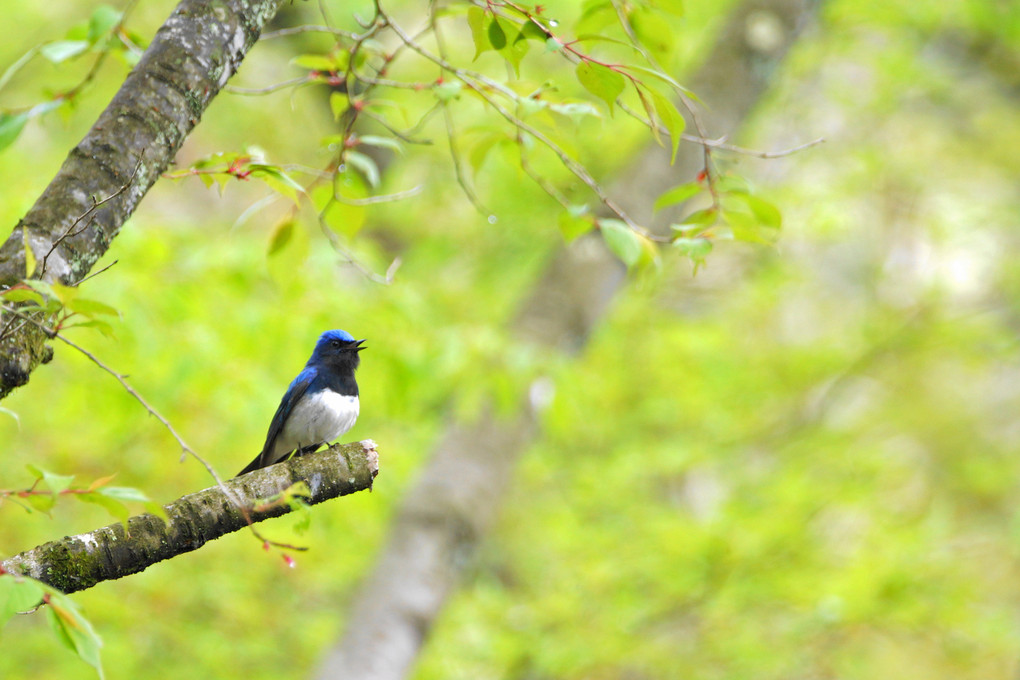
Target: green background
x,y
801,463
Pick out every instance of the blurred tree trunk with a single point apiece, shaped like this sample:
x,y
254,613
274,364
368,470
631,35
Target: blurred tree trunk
x,y
459,491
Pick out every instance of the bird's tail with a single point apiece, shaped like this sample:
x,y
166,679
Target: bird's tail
x,y
259,461
254,465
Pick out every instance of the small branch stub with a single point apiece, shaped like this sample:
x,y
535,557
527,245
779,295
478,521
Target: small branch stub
x,y
79,562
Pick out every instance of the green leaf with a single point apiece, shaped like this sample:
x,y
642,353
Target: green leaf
x,y
531,31
54,482
74,630
698,221
91,308
314,62
382,142
765,212
102,326
17,594
23,295
496,35
278,181
601,81
303,512
154,508
732,184
596,17
513,50
66,294
574,223
280,236
746,227
677,194
697,249
654,32
102,21
447,90
623,241
478,23
575,110
30,261
659,75
365,165
480,151
123,493
343,218
62,50
672,119
338,103
11,125
112,505
41,502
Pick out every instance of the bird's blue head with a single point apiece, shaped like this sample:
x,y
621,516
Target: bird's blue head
x,y
338,348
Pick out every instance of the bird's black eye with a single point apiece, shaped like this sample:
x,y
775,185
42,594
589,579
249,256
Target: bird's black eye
x,y
336,344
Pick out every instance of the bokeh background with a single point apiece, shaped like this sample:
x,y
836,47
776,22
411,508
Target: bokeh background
x,y
800,463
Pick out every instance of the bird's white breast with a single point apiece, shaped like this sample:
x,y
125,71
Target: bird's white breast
x,y
317,418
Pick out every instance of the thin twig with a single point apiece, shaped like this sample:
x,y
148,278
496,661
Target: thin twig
x,y
383,198
52,333
474,81
91,211
307,28
723,146
97,273
269,89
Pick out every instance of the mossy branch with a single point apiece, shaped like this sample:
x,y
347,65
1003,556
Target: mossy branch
x,y
79,562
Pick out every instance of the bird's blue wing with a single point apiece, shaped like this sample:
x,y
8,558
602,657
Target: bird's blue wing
x,y
293,395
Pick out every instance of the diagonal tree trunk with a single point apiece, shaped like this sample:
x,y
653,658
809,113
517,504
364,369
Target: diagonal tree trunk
x,y
133,141
458,494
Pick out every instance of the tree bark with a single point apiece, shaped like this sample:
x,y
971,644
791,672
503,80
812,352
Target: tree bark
x,y
79,562
444,515
133,141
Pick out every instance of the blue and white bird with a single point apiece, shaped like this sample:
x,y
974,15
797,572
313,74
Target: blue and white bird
x,y
319,406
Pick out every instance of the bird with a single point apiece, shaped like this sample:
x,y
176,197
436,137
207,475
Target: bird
x,y
320,405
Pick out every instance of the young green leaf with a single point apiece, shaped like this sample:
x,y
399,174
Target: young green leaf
x,y
382,142
622,241
601,81
677,194
17,594
30,261
74,630
575,223
365,165
496,35
11,125
478,22
102,21
315,62
111,505
672,119
697,249
54,482
91,308
280,236
22,295
447,90
338,103
62,50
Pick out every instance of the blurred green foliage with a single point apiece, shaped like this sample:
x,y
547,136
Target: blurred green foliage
x,y
800,463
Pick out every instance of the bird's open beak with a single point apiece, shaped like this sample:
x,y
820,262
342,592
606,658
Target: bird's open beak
x,y
357,345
